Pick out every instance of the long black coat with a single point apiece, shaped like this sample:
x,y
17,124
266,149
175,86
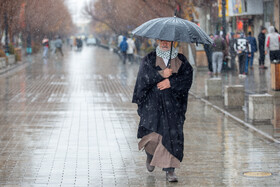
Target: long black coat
x,y
163,111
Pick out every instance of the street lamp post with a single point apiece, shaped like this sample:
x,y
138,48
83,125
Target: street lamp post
x,y
6,34
224,17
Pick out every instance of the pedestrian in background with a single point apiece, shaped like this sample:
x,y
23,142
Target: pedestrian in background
x,y
208,51
272,44
52,46
79,44
232,51
120,39
242,48
250,59
161,93
261,41
131,49
45,43
58,45
123,49
217,57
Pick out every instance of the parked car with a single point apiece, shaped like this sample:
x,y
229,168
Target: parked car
x,y
91,41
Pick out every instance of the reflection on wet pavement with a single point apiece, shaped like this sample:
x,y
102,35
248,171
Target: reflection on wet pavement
x,y
70,122
257,82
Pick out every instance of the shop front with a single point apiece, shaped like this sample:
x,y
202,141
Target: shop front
x,y
245,16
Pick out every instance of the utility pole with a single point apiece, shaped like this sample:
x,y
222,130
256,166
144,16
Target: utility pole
x,y
6,34
224,23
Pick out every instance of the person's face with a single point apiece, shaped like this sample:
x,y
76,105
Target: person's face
x,y
264,31
164,45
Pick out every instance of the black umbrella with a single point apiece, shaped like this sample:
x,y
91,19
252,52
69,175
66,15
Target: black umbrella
x,y
173,29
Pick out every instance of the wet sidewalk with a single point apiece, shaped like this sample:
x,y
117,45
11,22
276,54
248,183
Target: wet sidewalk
x,y
70,122
258,81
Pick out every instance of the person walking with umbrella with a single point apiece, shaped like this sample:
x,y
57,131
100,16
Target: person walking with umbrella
x,y
209,52
161,92
45,43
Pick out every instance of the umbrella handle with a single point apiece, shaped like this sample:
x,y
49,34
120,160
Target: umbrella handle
x,y
169,61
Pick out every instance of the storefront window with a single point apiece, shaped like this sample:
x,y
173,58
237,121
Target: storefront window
x,y
268,12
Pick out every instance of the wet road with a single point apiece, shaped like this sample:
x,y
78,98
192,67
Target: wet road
x,y
70,122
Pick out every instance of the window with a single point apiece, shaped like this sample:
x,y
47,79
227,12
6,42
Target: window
x,y
268,7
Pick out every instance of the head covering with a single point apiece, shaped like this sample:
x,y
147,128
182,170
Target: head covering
x,y
271,29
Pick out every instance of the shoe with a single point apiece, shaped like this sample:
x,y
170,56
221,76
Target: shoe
x,y
241,76
263,67
171,177
148,162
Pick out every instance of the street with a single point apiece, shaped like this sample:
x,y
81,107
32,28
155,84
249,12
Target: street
x,y
70,122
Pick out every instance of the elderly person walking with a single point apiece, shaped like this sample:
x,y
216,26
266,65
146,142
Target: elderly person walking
x,y
161,93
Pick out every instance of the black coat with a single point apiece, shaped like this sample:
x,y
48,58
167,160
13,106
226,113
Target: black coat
x,y
261,38
163,111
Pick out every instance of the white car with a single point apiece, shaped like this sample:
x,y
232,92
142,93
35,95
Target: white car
x,y
91,41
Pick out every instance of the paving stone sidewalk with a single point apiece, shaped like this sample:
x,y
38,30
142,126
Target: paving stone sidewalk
x,y
70,122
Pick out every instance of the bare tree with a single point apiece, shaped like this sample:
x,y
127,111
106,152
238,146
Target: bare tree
x,y
39,17
123,15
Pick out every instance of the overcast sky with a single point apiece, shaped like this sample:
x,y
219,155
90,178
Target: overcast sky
x,y
75,7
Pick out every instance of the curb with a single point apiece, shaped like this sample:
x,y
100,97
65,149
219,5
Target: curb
x,y
245,124
249,126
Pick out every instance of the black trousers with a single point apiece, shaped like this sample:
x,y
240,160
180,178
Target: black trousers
x,y
59,49
124,55
262,57
209,59
242,60
274,55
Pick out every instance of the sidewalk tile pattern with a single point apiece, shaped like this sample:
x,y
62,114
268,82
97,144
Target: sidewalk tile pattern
x,y
70,122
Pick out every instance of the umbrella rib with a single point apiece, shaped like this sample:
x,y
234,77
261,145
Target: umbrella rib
x,y
173,29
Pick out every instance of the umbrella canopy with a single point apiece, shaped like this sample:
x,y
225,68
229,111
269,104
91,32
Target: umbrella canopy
x,y
173,29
